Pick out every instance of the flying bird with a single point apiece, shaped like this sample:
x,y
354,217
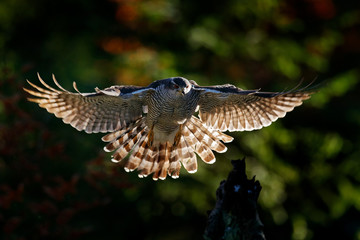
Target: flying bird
x,y
164,125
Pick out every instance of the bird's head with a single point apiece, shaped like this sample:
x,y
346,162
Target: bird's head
x,y
180,85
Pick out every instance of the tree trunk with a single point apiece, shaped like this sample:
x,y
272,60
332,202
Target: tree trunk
x,y
235,214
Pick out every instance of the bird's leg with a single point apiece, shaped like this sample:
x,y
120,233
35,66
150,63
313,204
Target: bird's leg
x,y
178,136
151,136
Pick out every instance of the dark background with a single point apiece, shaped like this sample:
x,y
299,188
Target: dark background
x,y
57,183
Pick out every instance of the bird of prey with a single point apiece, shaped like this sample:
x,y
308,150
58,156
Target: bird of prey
x,y
160,127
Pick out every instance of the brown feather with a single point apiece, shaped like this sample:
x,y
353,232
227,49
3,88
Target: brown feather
x,y
137,154
187,155
175,166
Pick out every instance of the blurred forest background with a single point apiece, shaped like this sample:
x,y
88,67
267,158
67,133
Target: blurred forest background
x,y
57,183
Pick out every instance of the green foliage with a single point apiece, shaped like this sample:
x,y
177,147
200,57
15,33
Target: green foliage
x,y
57,183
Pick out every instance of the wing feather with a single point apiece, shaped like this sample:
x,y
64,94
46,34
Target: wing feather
x,y
227,108
102,111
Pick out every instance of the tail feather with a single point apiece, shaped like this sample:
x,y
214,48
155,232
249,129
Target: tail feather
x,y
166,165
205,136
125,143
187,155
164,170
146,165
205,154
222,136
120,141
175,166
200,147
157,159
114,135
164,158
137,154
161,166
124,139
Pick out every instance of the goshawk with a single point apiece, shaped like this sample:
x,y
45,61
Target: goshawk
x,y
155,126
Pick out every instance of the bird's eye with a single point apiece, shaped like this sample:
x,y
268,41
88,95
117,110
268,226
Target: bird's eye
x,y
176,86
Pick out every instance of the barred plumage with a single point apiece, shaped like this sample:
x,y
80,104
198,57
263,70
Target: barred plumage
x,y
154,129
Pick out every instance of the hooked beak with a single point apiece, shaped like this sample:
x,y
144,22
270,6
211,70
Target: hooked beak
x,y
181,91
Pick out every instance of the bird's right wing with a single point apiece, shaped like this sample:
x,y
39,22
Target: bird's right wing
x,y
102,111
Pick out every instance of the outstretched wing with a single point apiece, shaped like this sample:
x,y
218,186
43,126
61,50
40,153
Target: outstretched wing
x,y
226,107
102,111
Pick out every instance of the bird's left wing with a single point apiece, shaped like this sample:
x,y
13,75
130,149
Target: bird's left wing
x,y
226,107
101,111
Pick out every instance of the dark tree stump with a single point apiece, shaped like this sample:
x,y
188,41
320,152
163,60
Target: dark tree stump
x,y
235,214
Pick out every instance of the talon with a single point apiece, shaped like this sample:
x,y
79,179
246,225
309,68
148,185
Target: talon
x,y
151,137
177,136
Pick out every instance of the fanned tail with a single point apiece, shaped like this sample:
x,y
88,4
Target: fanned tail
x,y
164,158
